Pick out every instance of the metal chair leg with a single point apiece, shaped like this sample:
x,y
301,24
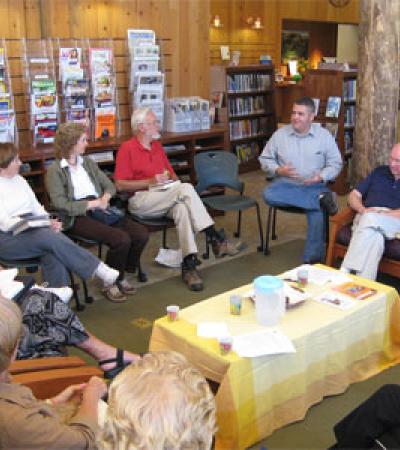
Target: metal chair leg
x,y
239,224
88,298
206,254
78,304
268,230
274,235
261,246
164,238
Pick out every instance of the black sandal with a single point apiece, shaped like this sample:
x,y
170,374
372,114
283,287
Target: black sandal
x,y
120,365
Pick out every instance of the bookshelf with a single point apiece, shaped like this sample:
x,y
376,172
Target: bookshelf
x,y
180,149
322,84
250,103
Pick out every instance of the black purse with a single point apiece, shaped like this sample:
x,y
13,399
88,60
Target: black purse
x,y
109,216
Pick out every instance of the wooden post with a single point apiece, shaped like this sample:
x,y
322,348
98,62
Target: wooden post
x,y
377,85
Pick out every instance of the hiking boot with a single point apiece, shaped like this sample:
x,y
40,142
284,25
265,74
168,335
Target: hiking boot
x,y
113,294
328,202
221,249
192,278
126,287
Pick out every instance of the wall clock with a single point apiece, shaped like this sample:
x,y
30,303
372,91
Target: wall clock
x,y
339,3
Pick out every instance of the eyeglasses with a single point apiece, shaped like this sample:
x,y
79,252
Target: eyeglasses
x,y
154,123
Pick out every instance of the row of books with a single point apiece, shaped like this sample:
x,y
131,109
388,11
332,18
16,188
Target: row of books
x,y
246,152
348,142
246,105
248,82
247,128
349,115
349,90
186,114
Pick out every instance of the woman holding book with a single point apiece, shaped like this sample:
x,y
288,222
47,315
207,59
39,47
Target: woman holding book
x,y
81,194
56,252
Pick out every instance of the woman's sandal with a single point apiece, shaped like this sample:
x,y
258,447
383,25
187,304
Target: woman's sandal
x,y
120,365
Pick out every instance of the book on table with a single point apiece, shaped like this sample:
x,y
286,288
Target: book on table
x,y
26,221
355,290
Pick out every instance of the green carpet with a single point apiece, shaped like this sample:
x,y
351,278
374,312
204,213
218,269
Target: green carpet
x,y
113,323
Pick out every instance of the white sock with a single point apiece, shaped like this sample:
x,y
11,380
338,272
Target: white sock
x,y
106,274
63,293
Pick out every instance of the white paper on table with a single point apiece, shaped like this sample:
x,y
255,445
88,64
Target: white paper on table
x,y
294,295
317,275
212,329
164,186
169,257
10,289
336,300
266,342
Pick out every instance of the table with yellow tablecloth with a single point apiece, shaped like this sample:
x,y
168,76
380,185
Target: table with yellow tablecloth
x,y
256,396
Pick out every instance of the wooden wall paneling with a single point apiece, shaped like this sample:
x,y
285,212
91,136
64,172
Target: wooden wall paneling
x,y
32,19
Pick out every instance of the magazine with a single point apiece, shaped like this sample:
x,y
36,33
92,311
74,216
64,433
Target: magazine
x,y
355,290
105,125
333,107
100,60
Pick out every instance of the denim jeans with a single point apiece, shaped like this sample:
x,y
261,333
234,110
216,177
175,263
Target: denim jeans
x,y
286,193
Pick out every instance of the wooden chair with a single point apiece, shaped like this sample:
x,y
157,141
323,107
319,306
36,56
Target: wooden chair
x,y
47,377
340,235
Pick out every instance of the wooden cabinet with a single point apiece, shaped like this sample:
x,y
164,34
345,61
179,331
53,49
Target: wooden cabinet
x,y
180,148
322,84
250,107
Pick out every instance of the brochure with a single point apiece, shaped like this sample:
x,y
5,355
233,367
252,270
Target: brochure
x,y
7,127
333,107
105,125
355,290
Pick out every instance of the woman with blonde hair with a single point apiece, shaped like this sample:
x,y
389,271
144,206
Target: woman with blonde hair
x,y
159,403
26,422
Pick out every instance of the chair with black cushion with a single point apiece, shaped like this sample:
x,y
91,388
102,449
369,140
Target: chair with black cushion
x,y
270,232
32,265
220,169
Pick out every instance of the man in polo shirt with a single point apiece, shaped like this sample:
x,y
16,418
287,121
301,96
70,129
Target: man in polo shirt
x,y
303,157
376,199
142,167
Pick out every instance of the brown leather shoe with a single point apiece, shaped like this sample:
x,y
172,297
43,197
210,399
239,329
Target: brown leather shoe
x,y
192,278
221,249
114,294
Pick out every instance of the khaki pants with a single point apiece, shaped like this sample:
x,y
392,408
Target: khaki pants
x,y
181,203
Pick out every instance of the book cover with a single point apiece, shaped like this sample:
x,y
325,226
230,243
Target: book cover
x,y
355,290
24,222
333,107
105,122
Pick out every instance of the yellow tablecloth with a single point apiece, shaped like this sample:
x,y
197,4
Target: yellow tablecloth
x,y
334,348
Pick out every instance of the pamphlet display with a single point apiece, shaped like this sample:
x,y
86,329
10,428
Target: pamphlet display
x,y
41,88
146,82
103,92
7,113
187,114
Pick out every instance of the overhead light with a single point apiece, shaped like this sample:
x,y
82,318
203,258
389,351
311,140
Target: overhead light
x,y
255,23
216,22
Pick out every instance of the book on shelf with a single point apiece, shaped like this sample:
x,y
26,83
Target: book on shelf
x,y
350,90
105,122
248,82
316,105
355,290
333,107
26,221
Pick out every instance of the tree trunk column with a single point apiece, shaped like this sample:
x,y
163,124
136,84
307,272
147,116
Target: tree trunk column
x,y
377,85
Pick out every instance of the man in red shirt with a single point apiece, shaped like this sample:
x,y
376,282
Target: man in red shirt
x,y
142,167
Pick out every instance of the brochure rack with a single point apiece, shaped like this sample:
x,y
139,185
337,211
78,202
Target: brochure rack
x,y
7,110
41,89
73,78
103,89
146,81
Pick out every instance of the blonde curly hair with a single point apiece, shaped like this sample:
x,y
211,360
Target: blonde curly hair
x,y
159,403
10,331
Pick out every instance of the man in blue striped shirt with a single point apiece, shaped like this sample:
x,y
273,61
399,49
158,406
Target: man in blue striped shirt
x,y
303,157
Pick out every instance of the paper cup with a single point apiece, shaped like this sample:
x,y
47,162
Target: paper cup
x,y
225,345
235,304
173,312
302,276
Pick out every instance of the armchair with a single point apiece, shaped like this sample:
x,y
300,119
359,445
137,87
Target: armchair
x,y
340,235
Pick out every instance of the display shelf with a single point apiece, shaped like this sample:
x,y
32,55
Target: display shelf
x,y
36,159
322,84
250,103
